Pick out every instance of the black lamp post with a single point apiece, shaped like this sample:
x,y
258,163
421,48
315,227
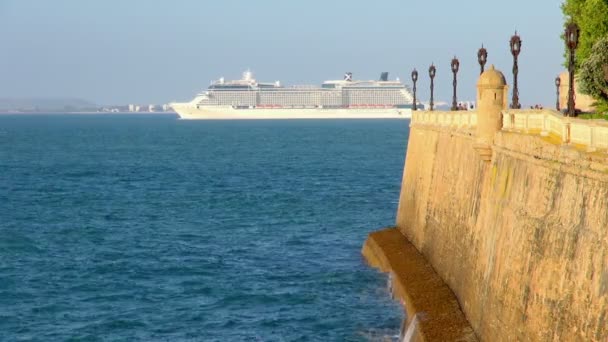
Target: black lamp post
x,y
558,81
571,36
414,79
455,66
482,58
432,71
515,50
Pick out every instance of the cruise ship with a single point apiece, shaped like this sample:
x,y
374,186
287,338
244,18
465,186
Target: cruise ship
x,y
347,98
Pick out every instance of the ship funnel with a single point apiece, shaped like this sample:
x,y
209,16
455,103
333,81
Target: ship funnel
x,y
247,75
348,76
384,76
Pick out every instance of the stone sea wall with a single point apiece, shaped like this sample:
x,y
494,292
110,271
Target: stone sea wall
x,y
521,239
433,312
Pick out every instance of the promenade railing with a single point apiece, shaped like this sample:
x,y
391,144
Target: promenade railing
x,y
458,119
592,134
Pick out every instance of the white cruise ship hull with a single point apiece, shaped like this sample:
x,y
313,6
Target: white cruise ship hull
x,y
192,112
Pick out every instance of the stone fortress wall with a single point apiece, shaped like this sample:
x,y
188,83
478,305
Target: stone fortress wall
x,y
510,208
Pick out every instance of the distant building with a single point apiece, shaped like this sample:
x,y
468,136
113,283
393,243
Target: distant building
x,y
166,108
132,108
151,108
584,102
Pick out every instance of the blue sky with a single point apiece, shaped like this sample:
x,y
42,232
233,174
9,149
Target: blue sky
x,y
156,51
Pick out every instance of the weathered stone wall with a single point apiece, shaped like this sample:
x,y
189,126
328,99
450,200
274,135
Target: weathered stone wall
x,y
522,240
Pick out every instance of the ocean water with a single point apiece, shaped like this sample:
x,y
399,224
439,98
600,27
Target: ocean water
x,y
148,228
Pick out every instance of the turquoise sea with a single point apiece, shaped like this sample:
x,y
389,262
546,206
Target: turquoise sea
x,y
148,228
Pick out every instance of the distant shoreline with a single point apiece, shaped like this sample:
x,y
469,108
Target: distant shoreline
x,y
86,113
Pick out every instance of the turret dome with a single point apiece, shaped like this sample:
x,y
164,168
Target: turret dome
x,y
491,78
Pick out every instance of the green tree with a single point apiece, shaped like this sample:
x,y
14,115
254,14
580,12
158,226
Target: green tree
x,y
572,8
592,19
593,74
591,58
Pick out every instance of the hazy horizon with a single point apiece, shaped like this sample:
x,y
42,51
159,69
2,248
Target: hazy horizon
x,y
115,52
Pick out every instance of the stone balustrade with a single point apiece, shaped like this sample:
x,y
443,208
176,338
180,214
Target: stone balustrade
x,y
592,134
456,119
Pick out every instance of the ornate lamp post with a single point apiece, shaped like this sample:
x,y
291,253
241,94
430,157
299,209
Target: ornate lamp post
x,y
571,36
414,79
455,66
432,71
482,58
558,81
515,50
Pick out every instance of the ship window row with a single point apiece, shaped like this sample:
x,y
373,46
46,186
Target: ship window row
x,y
229,87
292,98
366,88
376,97
307,98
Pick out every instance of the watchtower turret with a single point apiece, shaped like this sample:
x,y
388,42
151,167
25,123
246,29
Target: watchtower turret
x,y
492,97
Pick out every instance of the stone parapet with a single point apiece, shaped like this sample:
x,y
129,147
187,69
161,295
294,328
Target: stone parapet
x,y
455,119
588,134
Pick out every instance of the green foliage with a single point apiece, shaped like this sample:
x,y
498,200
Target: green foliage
x,y
591,116
591,58
602,107
592,19
593,74
573,8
